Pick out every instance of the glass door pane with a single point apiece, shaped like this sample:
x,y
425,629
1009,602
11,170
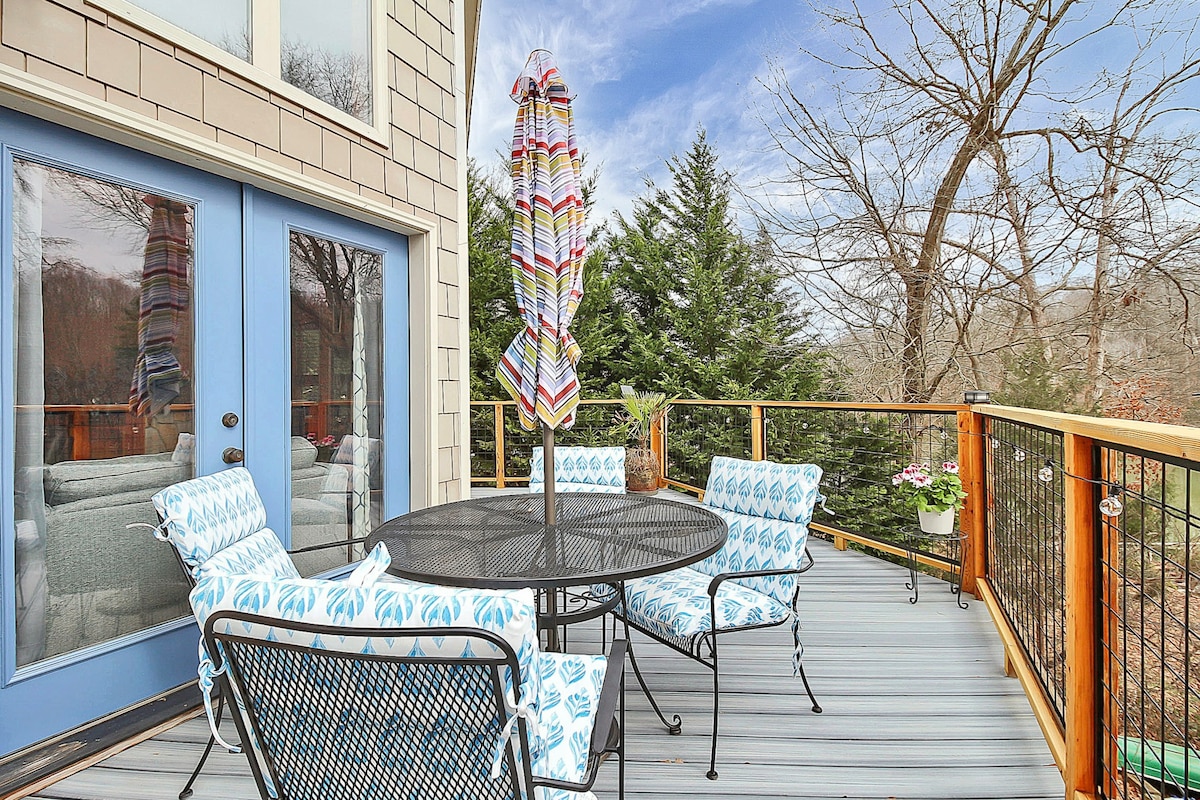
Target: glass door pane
x,y
337,395
104,405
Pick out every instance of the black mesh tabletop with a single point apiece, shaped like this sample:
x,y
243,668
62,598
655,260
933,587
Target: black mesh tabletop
x,y
502,541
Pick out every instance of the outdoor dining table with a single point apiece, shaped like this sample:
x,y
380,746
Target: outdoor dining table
x,y
503,542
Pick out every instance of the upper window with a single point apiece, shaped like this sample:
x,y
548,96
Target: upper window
x,y
322,47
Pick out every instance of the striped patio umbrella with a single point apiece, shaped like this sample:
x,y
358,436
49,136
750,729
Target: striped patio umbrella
x,y
157,373
538,369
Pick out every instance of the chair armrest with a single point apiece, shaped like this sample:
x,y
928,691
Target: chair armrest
x,y
716,582
602,730
610,695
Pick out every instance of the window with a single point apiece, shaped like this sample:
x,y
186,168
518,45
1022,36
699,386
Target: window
x,y
322,47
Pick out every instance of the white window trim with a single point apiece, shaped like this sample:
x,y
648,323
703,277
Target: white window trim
x,y
264,71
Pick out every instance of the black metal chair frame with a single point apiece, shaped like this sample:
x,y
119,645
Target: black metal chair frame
x,y
186,792
607,737
694,647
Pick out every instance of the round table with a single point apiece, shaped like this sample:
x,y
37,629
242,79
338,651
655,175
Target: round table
x,y
503,542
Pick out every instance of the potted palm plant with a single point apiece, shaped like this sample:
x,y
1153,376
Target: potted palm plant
x,y
936,496
640,413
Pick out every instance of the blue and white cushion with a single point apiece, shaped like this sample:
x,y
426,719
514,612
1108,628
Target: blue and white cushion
x,y
580,469
205,515
570,695
676,605
768,507
260,554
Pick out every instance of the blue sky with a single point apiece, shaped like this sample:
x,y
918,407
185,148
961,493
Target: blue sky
x,y
645,74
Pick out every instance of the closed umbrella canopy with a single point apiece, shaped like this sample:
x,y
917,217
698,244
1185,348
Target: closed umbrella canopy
x,y
538,369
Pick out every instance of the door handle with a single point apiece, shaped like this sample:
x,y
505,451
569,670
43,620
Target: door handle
x,y
233,455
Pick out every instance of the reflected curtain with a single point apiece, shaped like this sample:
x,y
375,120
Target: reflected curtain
x,y
32,590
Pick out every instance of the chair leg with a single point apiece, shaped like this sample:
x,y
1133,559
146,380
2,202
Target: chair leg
x,y
712,763
816,707
675,727
212,740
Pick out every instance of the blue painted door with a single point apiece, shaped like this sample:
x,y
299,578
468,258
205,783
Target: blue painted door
x,y
120,351
327,379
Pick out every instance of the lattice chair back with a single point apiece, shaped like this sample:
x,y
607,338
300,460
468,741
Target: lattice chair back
x,y
380,691
580,469
768,507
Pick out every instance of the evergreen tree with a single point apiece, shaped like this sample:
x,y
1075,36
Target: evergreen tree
x,y
709,314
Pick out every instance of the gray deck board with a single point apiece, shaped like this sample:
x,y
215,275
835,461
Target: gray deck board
x,y
916,708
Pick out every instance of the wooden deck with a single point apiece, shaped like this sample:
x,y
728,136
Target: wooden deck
x,y
916,706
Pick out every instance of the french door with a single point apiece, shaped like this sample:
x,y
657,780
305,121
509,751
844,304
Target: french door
x,y
120,373
159,323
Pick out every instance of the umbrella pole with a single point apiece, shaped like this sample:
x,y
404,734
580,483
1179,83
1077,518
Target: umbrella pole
x,y
548,472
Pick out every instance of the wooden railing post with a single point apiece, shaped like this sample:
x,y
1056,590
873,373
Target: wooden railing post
x,y
658,446
1081,587
81,435
498,413
971,465
758,433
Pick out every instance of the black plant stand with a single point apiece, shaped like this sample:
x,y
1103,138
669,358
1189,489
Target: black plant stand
x,y
918,542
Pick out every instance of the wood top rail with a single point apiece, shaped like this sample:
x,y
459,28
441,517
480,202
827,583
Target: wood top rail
x,y
1178,441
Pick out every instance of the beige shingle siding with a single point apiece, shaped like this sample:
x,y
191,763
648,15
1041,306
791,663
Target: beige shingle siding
x,y
81,47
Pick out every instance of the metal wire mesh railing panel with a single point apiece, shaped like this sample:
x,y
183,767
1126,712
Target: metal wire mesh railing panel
x,y
697,432
1025,529
1150,626
336,726
483,441
859,452
593,428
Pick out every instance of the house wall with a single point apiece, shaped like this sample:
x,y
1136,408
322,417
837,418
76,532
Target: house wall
x,y
92,65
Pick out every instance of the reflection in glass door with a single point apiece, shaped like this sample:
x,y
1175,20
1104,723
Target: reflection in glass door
x,y
122,284
337,395
330,390
103,403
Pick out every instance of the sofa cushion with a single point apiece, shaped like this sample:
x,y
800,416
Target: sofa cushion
x,y
304,453
207,514
68,482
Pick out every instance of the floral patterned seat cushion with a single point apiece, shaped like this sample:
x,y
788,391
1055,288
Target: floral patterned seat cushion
x,y
675,605
567,705
580,469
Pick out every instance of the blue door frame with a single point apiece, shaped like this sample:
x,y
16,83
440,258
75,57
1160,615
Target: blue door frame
x,y
242,358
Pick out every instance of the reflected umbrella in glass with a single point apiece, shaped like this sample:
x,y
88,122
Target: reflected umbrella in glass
x,y
157,374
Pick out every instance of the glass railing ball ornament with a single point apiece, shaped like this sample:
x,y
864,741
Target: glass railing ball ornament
x,y
1046,473
1111,507
1018,455
866,429
995,444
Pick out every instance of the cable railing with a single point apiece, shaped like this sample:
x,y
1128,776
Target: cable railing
x,y
1080,535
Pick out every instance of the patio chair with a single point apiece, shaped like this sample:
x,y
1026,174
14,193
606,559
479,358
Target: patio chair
x,y
217,525
407,691
580,469
750,583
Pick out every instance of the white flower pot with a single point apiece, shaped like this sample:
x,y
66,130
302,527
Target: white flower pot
x,y
937,522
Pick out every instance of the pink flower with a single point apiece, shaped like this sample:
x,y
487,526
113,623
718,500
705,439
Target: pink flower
x,y
921,481
897,479
950,466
